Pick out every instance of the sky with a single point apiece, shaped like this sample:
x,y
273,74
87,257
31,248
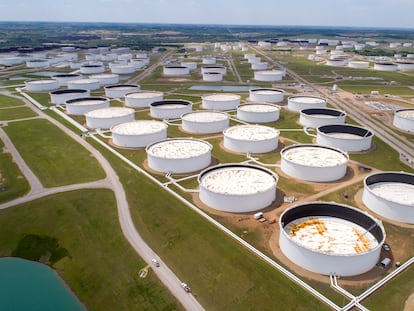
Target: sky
x,y
359,13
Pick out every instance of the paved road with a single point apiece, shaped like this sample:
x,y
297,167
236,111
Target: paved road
x,y
167,277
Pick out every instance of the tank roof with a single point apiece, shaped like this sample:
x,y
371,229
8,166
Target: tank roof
x,y
307,99
251,132
314,156
237,180
406,113
140,127
264,91
179,148
397,192
110,112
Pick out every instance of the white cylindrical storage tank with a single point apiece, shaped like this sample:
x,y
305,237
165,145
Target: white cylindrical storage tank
x,y
175,70
64,78
404,119
123,69
405,66
170,109
336,62
221,101
105,118
205,122
253,60
259,66
212,76
410,56
249,55
316,117
359,46
143,99
191,65
138,134
106,78
251,138
358,64
141,55
209,60
331,238
300,102
258,112
80,106
75,65
91,69
119,90
349,138
59,97
37,63
87,84
237,188
320,52
386,66
43,85
125,57
220,69
390,195
266,95
314,163
179,155
268,75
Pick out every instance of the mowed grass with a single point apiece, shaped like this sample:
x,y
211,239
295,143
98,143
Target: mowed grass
x,y
7,101
16,113
102,268
222,274
54,157
12,182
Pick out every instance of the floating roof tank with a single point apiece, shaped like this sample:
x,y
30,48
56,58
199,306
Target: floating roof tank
x,y
91,69
221,101
404,119
143,99
105,118
175,70
266,95
42,85
170,109
59,97
258,112
87,84
237,188
120,90
299,102
205,122
330,238
316,117
80,106
268,75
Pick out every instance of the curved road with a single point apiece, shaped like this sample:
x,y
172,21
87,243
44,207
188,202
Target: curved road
x,y
167,277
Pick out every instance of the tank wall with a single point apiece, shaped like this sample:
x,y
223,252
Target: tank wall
x,y
388,209
326,264
90,85
348,145
266,98
220,105
138,141
257,146
212,77
39,87
92,69
258,117
237,203
267,77
142,102
205,127
298,106
176,71
107,123
165,113
179,166
313,174
403,123
315,121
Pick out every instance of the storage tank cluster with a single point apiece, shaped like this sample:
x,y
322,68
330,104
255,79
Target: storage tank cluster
x,y
251,138
266,95
205,122
314,163
390,195
179,155
237,188
404,119
316,117
348,138
138,134
221,101
258,112
331,238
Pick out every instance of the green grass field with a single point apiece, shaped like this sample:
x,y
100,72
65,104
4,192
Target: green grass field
x,y
53,156
12,182
101,267
204,257
16,113
7,101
